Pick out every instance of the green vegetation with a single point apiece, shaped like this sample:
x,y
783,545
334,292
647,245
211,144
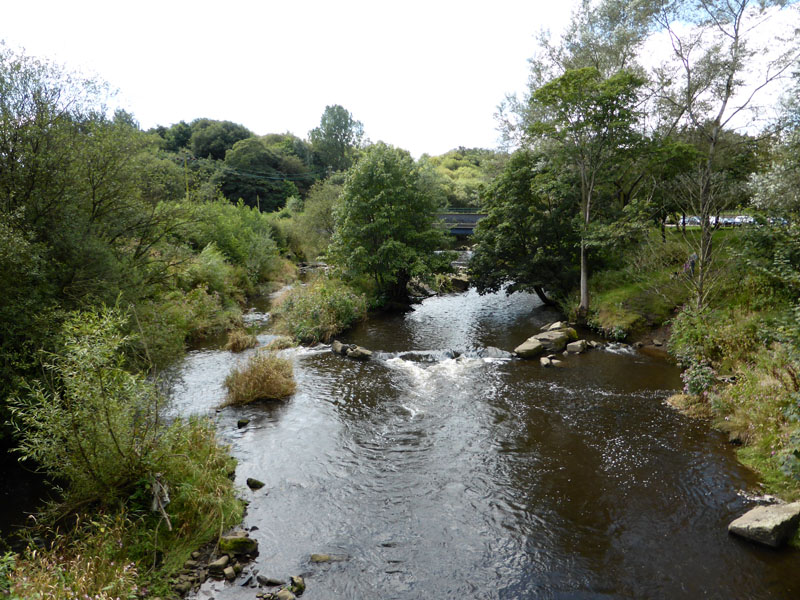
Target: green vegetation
x,y
385,224
318,311
97,428
266,376
176,227
462,174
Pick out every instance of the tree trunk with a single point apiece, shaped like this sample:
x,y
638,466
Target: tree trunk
x,y
583,308
542,296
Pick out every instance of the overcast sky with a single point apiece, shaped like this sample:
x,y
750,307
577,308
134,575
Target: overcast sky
x,y
423,75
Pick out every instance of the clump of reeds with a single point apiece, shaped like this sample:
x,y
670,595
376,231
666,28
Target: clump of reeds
x,y
281,343
239,341
266,376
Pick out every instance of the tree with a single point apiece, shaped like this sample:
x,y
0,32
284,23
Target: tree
x,y
386,224
212,139
527,240
710,86
254,174
590,121
337,139
605,35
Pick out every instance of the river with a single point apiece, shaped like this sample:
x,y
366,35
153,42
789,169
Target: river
x,y
441,469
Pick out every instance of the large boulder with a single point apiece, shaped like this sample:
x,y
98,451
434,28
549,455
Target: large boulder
x,y
460,283
577,347
530,348
554,340
238,545
770,525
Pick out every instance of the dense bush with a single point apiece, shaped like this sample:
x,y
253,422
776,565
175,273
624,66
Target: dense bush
x,y
318,311
242,234
165,324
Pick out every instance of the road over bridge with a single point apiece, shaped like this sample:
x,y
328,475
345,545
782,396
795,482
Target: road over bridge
x,y
461,222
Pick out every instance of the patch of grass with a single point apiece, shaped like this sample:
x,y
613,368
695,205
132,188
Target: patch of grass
x,y
281,342
239,341
266,376
692,406
318,311
127,550
89,562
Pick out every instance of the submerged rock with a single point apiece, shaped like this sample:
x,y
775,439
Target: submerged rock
x,y
350,350
269,581
254,484
770,525
324,558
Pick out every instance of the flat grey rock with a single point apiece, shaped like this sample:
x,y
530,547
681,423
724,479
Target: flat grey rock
x,y
770,525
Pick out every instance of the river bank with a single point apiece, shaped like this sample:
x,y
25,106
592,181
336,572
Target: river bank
x,y
737,355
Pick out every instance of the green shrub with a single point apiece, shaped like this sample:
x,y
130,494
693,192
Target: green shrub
x,y
244,236
164,325
210,270
91,424
318,311
264,377
97,429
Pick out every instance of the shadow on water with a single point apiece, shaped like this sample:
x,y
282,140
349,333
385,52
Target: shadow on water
x,y
445,468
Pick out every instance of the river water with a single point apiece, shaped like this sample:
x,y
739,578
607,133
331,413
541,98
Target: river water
x,y
444,468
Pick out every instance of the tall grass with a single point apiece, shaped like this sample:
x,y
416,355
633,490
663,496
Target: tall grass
x,y
318,311
266,376
239,341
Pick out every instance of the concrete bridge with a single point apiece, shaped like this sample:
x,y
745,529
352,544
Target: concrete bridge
x,y
461,221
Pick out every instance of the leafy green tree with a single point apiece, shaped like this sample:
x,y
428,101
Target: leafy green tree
x,y
386,223
464,172
527,240
316,224
176,137
212,139
590,122
253,174
338,138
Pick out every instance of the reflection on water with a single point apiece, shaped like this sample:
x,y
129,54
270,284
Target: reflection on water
x,y
445,468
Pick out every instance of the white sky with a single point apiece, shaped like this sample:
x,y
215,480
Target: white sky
x,y
424,75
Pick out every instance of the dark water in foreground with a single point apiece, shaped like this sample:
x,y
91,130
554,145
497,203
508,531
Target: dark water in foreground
x,y
476,477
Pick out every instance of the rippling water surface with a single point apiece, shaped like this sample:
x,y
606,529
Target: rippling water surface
x,y
444,468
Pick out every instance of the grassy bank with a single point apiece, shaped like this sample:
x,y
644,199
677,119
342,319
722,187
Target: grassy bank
x,y
739,354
